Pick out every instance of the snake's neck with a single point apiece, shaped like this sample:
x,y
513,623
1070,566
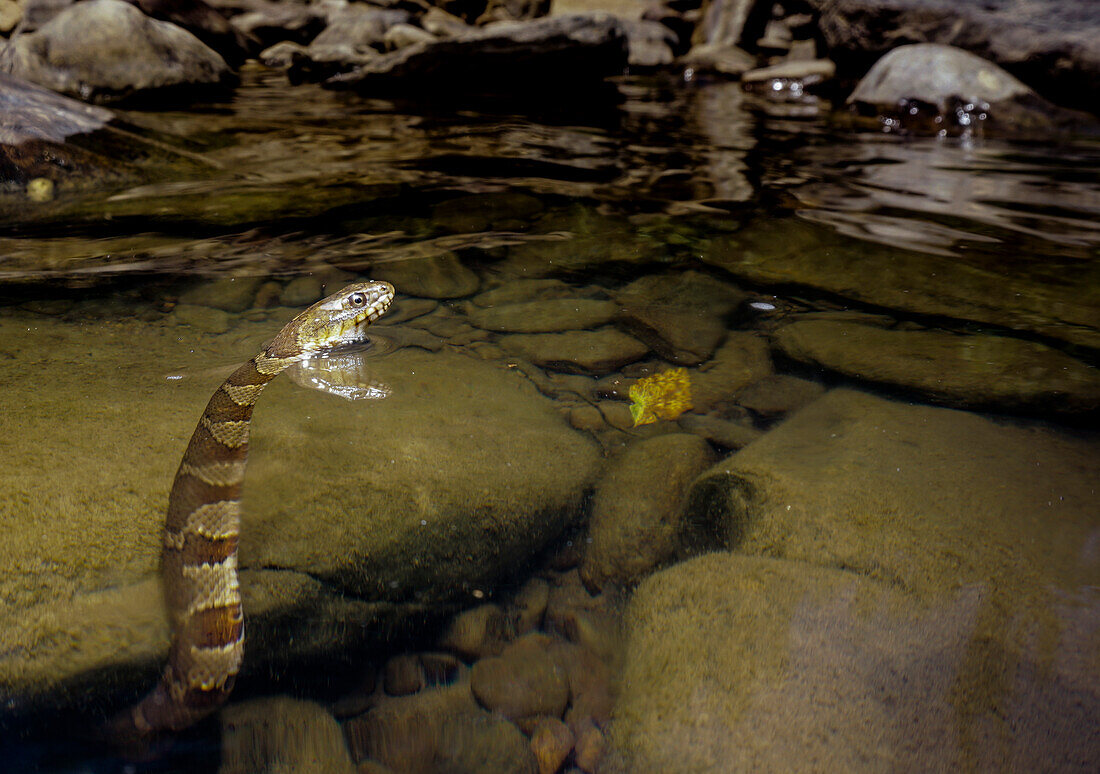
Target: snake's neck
x,y
199,559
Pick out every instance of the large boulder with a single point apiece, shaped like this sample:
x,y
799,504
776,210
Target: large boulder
x,y
926,573
1054,47
556,53
359,516
104,50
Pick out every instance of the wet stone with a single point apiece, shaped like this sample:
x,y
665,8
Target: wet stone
x,y
301,291
591,693
442,276
681,316
477,632
403,675
718,58
529,606
519,291
284,734
743,359
589,747
587,419
439,729
471,214
522,681
267,295
595,352
807,72
960,370
936,75
272,22
204,318
616,414
550,316
582,618
401,35
440,668
720,432
638,508
405,309
779,394
231,294
551,741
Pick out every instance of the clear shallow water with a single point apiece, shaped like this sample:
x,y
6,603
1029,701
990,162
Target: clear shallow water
x,y
787,220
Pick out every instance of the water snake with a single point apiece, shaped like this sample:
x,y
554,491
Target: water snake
x,y
201,531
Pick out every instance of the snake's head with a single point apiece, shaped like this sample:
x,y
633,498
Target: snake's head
x,y
336,321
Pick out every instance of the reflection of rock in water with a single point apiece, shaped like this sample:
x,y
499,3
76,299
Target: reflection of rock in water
x,y
346,375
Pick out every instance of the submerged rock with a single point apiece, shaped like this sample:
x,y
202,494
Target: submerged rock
x,y
105,50
440,729
427,496
975,370
596,352
789,251
443,276
281,734
559,53
523,681
682,316
549,316
921,571
638,508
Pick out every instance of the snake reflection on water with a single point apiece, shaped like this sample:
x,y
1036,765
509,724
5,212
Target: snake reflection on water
x,y
201,532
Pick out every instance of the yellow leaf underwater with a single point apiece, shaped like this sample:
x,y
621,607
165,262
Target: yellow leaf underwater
x,y
661,396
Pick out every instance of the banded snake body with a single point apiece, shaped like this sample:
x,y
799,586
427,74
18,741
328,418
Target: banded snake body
x,y
202,528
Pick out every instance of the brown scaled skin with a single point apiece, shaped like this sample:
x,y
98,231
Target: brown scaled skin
x,y
202,528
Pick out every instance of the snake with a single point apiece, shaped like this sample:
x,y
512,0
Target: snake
x,y
202,524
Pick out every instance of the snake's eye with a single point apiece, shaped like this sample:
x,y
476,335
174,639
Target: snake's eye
x,y
357,299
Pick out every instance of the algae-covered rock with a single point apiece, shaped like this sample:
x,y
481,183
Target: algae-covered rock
x,y
957,369
359,515
738,663
637,511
